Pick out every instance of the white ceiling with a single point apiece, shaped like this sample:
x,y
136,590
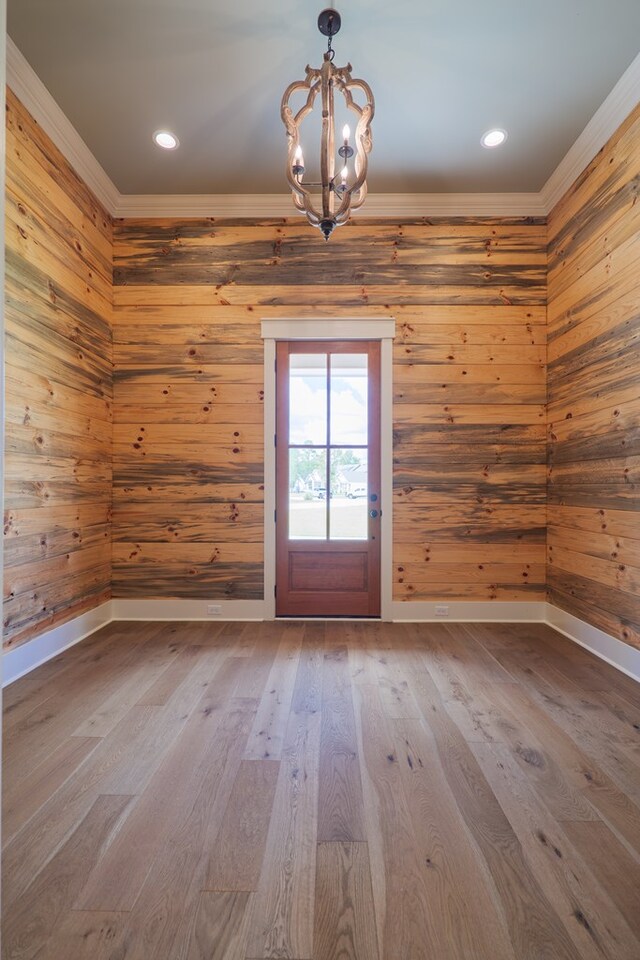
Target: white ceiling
x,y
442,71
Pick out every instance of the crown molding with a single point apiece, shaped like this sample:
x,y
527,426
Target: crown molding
x,y
256,205
624,97
377,205
31,92
36,98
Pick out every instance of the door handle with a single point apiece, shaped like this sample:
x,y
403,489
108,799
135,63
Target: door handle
x,y
373,514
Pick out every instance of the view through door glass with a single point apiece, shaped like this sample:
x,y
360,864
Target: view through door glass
x,y
328,488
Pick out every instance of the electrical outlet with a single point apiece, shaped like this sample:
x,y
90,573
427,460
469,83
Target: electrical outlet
x,y
442,610
214,610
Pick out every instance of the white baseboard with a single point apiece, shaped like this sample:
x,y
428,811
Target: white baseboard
x,y
615,652
28,656
460,611
187,610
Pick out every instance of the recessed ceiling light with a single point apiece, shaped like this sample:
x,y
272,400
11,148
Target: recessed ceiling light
x,y
166,139
493,138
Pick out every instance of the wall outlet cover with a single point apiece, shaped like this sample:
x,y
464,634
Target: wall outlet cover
x,y
214,610
442,610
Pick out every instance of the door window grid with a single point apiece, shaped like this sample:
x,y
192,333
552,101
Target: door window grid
x,y
336,503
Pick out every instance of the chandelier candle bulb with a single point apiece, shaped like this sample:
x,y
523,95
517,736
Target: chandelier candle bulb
x,y
298,162
334,199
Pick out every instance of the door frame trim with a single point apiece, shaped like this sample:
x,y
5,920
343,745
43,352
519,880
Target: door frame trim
x,y
347,329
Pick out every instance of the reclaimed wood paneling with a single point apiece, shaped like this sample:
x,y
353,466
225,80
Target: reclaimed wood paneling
x,y
594,391
469,297
58,445
472,487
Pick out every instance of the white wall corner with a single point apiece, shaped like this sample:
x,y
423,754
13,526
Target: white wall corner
x,y
33,94
624,97
16,662
160,609
615,652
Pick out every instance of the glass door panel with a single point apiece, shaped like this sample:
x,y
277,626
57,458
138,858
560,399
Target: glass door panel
x,y
307,493
349,486
328,437
348,401
308,399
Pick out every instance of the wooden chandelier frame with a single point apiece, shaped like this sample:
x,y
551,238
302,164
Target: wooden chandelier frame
x,y
336,205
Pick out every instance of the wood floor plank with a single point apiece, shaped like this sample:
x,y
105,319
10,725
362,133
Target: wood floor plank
x,y
150,745
456,658
543,767
267,737
307,691
477,716
235,863
34,846
58,716
253,679
220,927
469,921
590,672
118,879
364,652
591,919
460,791
395,687
400,888
344,917
84,935
574,711
611,865
23,797
535,929
157,694
583,771
139,676
281,923
240,636
155,925
340,805
627,712
590,704
31,921
26,694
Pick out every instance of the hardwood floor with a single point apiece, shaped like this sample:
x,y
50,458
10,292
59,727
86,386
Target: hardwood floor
x,y
322,791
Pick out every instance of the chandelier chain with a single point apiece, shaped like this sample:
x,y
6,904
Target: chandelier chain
x,y
330,51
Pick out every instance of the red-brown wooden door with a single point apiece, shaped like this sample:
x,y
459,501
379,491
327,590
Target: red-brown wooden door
x,y
328,478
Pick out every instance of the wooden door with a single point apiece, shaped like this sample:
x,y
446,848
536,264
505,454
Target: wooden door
x,y
328,478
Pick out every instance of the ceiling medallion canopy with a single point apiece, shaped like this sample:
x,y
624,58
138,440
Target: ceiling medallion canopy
x,y
328,201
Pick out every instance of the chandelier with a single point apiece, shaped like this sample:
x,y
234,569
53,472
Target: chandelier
x,y
328,202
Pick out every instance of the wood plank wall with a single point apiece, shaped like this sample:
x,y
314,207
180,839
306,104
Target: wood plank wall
x,y
469,389
594,391
469,392
58,447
